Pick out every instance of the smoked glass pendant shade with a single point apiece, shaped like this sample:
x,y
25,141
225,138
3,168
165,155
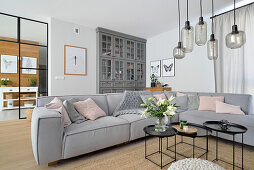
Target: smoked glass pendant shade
x,y
201,32
212,48
187,37
178,51
235,39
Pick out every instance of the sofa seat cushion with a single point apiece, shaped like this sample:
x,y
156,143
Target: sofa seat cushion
x,y
202,116
137,123
93,135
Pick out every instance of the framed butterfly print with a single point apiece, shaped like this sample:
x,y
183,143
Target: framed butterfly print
x,y
168,67
155,68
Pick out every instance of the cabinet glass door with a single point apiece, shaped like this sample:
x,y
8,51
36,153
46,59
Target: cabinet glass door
x,y
106,69
140,72
130,49
106,45
130,71
118,47
119,67
140,51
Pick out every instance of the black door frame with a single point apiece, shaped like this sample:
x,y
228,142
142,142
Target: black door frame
x,y
19,43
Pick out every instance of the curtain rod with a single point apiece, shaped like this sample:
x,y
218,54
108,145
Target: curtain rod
x,y
231,10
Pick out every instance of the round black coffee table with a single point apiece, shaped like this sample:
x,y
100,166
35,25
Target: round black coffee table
x,y
202,131
230,129
150,131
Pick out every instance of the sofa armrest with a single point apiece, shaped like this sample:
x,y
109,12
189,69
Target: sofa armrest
x,y
46,134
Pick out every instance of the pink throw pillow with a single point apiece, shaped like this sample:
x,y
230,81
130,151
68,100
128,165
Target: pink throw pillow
x,y
209,102
89,109
57,105
228,108
162,96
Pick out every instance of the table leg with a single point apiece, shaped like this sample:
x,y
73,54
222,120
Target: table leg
x,y
145,145
233,151
242,150
175,147
161,152
206,144
193,148
216,146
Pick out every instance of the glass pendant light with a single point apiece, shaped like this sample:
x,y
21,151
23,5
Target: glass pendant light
x,y
178,51
201,29
212,44
235,39
188,34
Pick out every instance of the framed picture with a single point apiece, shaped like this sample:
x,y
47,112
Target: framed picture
x,y
156,68
75,60
168,67
9,64
29,62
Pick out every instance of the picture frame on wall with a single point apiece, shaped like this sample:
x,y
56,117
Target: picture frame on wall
x,y
168,67
9,64
75,60
155,67
30,65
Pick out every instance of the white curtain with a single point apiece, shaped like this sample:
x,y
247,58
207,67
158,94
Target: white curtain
x,y
234,69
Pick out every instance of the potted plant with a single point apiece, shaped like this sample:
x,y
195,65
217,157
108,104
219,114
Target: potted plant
x,y
153,80
33,82
5,82
161,109
158,84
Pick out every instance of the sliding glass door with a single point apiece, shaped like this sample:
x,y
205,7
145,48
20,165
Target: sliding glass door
x,y
24,65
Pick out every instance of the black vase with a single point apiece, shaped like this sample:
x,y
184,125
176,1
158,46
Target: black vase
x,y
153,84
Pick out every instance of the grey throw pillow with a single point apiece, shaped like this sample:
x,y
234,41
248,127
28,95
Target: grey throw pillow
x,y
193,102
72,112
182,102
131,100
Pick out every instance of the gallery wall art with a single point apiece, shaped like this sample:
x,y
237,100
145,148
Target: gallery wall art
x,y
75,60
29,65
168,67
9,64
155,68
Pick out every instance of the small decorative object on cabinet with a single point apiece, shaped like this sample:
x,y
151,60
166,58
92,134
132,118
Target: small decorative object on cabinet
x,y
156,68
168,67
122,61
74,60
153,80
5,82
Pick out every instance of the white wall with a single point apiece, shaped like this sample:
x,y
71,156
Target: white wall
x,y
193,73
62,33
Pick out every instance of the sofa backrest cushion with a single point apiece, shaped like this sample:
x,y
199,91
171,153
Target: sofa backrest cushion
x,y
242,100
113,101
99,99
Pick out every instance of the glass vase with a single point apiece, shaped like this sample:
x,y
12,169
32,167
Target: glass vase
x,y
160,125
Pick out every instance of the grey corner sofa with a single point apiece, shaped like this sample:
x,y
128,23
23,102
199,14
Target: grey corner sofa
x,y
52,142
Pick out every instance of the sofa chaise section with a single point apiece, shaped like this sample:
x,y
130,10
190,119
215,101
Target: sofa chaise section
x,y
91,135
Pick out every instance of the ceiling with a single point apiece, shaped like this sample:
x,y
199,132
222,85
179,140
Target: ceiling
x,y
142,18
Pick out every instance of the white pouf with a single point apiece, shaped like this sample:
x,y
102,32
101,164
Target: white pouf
x,y
194,164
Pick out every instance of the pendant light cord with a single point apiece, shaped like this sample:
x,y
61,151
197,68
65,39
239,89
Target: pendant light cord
x,y
201,8
234,12
212,16
179,21
187,10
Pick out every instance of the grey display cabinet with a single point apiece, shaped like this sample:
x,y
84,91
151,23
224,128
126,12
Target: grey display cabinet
x,y
122,61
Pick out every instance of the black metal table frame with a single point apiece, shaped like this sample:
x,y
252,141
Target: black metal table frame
x,y
217,159
193,145
160,152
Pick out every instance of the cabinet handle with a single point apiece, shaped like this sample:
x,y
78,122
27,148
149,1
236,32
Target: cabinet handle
x,y
10,90
28,89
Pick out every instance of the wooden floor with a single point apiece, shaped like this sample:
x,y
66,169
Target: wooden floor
x,y
16,152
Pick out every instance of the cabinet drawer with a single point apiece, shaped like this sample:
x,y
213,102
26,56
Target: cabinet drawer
x,y
10,89
105,91
106,84
140,84
27,89
118,84
129,84
118,90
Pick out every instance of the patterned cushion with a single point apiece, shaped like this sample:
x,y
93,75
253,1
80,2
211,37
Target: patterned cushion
x,y
130,111
131,100
193,102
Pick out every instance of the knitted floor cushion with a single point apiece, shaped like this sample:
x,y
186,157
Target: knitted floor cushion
x,y
194,164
